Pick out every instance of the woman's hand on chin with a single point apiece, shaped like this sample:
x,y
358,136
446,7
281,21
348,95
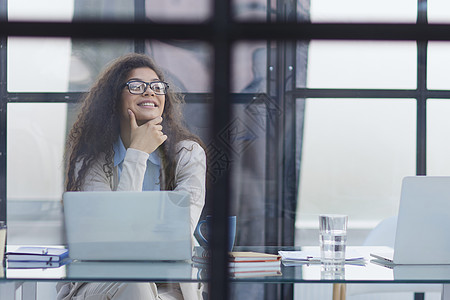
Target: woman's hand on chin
x,y
147,137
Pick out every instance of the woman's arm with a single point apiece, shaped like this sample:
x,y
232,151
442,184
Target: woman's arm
x,y
190,176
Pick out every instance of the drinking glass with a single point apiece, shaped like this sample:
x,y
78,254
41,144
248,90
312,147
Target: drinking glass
x,y
333,238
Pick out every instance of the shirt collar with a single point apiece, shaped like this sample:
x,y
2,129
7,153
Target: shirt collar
x,y
120,152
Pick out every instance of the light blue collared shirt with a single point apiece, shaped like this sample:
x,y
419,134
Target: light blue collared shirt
x,y
151,177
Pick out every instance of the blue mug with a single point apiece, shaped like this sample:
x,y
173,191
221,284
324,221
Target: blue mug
x,y
203,241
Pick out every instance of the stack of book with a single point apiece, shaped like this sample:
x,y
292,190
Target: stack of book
x,y
254,264
37,258
200,258
243,264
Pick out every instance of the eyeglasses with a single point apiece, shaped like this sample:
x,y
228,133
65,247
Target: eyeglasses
x,y
138,87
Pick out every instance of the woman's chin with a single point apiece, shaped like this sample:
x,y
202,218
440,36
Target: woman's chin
x,y
142,121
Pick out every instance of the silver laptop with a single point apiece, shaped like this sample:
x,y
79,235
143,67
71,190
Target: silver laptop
x,y
151,225
135,270
423,223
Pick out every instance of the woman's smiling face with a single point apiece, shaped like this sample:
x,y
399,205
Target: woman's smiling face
x,y
146,106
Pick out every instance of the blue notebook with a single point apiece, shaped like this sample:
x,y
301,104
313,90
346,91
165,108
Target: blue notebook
x,y
20,264
38,254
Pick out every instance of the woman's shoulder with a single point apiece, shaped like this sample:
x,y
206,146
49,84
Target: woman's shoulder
x,y
190,156
189,145
189,148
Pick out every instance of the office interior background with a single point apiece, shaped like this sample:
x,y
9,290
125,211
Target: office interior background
x,y
317,126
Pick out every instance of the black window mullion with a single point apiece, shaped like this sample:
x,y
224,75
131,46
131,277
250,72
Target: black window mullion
x,y
71,97
421,155
421,151
139,16
421,132
354,93
366,93
221,116
3,112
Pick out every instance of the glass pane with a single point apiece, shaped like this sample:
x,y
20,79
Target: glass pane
x,y
35,145
36,135
38,64
58,64
249,67
248,132
180,60
438,131
68,10
438,11
110,10
37,131
42,10
355,153
252,10
89,57
364,11
104,10
371,65
438,65
178,10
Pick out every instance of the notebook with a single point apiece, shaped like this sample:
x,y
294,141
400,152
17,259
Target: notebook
x,y
131,226
423,223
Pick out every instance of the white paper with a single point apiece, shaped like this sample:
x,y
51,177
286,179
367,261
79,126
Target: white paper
x,y
313,256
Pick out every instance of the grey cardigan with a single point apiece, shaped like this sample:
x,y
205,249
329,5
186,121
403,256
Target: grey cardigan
x,y
190,176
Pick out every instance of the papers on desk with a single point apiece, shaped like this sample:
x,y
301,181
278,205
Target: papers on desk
x,y
291,258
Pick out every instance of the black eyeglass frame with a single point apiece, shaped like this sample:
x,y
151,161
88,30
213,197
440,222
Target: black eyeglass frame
x,y
147,86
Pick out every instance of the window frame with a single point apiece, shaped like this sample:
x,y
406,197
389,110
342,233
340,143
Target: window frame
x,y
221,32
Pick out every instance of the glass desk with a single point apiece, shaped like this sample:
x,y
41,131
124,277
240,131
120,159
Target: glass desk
x,y
368,273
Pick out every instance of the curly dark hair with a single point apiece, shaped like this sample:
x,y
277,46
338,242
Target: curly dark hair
x,y
98,125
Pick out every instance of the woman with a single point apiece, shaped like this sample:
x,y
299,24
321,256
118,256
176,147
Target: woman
x,y
129,136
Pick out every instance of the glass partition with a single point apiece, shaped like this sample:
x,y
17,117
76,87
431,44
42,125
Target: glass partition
x,y
38,64
315,125
182,59
438,11
45,10
352,163
438,127
361,65
178,11
438,63
253,10
354,11
45,82
35,169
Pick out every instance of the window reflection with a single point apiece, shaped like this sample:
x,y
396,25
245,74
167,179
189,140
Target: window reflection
x,y
89,57
36,135
381,11
438,131
438,11
42,10
178,10
355,154
186,63
249,67
438,64
362,64
252,10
